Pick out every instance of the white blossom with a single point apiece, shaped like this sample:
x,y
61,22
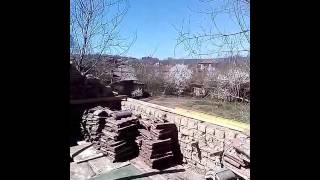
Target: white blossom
x,y
137,93
179,75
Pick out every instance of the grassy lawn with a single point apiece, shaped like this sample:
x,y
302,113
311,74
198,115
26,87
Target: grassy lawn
x,y
231,110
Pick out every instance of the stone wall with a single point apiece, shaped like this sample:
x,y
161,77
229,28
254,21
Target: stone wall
x,y
201,143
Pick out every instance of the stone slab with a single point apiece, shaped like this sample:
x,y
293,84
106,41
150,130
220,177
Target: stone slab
x,y
103,165
86,155
75,150
80,171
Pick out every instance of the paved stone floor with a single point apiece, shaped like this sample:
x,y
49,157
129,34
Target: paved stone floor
x,y
101,168
123,173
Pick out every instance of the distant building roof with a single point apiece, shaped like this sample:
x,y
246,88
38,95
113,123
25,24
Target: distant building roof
x,y
207,61
196,85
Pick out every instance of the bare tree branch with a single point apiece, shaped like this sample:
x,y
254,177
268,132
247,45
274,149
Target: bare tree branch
x,y
212,39
94,26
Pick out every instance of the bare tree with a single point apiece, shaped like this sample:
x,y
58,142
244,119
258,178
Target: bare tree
x,y
152,75
213,39
95,31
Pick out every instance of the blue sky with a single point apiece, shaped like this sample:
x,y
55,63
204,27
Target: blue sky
x,y
153,21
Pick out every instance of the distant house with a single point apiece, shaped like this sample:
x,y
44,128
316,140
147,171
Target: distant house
x,y
197,90
150,60
205,64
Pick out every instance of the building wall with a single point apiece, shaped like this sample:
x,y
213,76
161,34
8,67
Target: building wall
x,y
201,143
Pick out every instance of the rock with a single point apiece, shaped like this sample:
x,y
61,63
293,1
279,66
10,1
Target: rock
x,y
202,126
192,124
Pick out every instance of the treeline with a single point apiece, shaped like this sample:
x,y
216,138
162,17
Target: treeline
x,y
228,79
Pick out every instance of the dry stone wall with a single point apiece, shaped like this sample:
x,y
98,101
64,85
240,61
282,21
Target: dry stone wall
x,y
201,143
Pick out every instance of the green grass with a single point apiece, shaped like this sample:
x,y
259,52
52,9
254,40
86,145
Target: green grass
x,y
231,110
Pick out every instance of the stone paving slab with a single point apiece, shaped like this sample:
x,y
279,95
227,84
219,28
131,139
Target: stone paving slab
x,y
123,173
177,172
87,154
75,150
80,171
104,165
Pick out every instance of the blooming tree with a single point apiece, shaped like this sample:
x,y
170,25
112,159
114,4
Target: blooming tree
x,y
229,83
137,93
179,76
